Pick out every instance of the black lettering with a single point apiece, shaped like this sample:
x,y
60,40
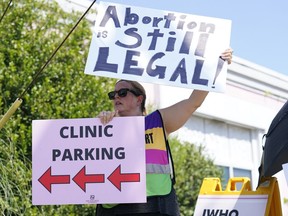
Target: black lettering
x,y
120,153
78,154
80,131
88,154
55,153
222,213
204,212
97,154
100,131
106,133
212,213
234,212
149,138
107,154
91,132
72,133
67,155
62,132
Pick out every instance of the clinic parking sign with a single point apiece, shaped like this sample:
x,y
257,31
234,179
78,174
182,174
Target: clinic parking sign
x,y
81,161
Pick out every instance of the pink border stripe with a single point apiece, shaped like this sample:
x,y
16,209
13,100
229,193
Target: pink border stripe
x,y
156,157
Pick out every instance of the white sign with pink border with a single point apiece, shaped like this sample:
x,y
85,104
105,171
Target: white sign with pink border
x,y
81,161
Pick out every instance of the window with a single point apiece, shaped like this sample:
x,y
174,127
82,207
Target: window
x,y
236,172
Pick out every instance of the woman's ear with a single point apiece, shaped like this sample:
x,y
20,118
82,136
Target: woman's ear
x,y
139,100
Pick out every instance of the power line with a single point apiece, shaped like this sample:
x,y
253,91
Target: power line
x,y
18,101
5,11
55,51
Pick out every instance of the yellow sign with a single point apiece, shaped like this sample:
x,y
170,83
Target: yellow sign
x,y
238,199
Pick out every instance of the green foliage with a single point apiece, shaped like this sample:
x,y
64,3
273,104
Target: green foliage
x,y
191,167
29,33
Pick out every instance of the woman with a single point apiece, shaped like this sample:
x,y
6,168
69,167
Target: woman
x,y
129,100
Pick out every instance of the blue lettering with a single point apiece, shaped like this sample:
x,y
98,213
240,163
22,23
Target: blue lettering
x,y
170,17
130,18
171,42
159,70
156,21
155,36
110,13
131,32
130,62
200,50
146,20
101,63
191,25
204,26
180,71
185,47
197,72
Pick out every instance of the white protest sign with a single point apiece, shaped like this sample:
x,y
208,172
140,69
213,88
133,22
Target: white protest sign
x,y
161,47
81,161
231,205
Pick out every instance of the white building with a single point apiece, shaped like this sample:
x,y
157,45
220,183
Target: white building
x,y
231,124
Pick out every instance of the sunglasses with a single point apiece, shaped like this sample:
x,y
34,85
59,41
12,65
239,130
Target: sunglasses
x,y
121,93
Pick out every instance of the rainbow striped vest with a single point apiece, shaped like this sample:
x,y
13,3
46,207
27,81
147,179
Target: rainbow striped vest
x,y
158,178
158,171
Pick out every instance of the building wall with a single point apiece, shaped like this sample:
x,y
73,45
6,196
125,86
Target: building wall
x,y
231,125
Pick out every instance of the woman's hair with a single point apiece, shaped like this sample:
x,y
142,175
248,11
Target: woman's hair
x,y
139,89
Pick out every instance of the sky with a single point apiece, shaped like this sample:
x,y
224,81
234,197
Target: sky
x,y
259,27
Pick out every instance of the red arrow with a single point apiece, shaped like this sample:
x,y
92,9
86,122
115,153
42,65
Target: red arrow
x,y
81,178
116,177
47,179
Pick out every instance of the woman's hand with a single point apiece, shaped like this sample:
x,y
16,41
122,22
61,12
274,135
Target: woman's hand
x,y
107,116
227,55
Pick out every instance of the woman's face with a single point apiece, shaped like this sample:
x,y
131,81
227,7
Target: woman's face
x,y
128,105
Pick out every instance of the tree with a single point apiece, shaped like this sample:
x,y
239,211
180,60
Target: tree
x,y
29,33
191,167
